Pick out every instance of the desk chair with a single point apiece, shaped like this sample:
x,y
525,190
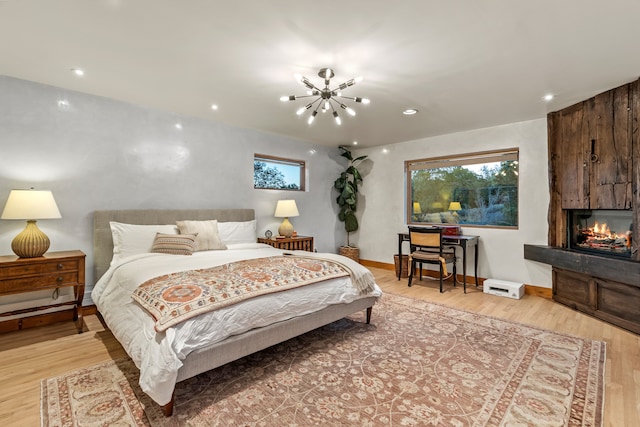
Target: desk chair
x,y
425,245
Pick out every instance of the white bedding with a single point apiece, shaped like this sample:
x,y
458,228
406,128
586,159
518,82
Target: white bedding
x,y
160,355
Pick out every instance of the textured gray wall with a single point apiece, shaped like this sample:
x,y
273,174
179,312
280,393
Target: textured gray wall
x,y
97,153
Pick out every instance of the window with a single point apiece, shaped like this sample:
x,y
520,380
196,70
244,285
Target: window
x,y
478,189
277,173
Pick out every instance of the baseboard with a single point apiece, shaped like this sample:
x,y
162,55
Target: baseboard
x,y
471,280
377,264
538,291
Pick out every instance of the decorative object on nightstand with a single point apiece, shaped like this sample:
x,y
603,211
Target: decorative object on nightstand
x,y
286,209
30,205
268,234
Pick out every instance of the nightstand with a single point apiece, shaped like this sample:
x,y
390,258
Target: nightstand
x,y
298,243
53,270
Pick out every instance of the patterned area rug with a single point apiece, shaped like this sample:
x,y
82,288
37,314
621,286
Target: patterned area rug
x,y
417,364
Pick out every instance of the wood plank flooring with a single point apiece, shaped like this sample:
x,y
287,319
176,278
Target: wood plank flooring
x,y
30,355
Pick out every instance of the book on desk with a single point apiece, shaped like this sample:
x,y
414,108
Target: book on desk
x,y
450,230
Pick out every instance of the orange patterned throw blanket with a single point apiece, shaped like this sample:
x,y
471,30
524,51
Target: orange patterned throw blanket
x,y
176,297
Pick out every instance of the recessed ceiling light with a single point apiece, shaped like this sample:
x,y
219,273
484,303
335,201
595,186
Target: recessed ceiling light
x,y
178,126
214,107
355,142
385,151
548,97
410,112
78,72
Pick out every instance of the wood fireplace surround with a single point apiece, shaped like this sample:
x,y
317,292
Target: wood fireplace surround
x,y
594,163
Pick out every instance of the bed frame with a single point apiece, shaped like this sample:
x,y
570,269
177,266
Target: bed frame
x,y
234,347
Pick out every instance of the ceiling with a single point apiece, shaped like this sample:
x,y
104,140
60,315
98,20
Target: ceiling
x,y
463,64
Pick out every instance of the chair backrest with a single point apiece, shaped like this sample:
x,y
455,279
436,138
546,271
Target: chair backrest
x,y
425,237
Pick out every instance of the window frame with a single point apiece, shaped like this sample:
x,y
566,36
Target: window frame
x,y
463,159
283,161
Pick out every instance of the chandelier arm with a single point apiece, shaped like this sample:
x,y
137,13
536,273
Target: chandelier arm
x,y
343,86
312,86
303,96
355,99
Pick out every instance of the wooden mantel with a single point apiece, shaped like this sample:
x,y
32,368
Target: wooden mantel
x,y
616,269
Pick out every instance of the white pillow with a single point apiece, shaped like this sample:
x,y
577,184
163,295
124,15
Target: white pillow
x,y
237,232
133,239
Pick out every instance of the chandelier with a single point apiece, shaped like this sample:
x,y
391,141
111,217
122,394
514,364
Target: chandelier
x,y
326,99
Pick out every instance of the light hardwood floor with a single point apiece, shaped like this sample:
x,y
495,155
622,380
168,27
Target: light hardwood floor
x,y
30,355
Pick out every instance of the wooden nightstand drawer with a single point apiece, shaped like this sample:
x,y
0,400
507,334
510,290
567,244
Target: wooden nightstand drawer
x,y
41,268
298,243
45,281
53,270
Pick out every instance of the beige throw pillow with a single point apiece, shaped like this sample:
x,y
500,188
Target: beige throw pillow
x,y
174,244
207,231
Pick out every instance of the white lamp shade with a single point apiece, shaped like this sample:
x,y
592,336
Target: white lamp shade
x,y
30,204
286,209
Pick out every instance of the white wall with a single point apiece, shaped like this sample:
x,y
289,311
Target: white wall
x,y
99,153
500,251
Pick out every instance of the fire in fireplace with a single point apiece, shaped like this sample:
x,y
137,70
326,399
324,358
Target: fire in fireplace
x,y
606,232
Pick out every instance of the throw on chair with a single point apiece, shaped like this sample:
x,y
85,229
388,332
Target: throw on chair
x,y
426,247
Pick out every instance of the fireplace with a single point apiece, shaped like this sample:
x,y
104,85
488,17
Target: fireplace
x,y
600,231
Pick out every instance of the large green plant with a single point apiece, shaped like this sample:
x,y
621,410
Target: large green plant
x,y
347,186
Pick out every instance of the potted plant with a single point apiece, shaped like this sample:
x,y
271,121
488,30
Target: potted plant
x,y
347,186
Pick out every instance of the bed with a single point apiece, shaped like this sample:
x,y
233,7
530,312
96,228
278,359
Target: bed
x,y
195,346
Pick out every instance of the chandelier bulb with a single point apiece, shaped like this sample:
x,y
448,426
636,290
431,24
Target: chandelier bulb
x,y
358,79
337,117
303,109
351,111
288,98
312,117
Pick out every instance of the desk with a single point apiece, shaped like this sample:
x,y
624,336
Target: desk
x,y
463,241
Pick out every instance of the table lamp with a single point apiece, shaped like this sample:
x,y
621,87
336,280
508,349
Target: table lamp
x,y
455,206
286,209
30,205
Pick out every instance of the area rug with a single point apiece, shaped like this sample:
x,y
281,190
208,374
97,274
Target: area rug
x,y
416,364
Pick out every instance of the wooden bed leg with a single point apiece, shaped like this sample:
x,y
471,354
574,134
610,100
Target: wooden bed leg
x,y
167,409
369,310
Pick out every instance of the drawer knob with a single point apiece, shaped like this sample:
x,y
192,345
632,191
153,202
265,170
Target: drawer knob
x,y
59,279
60,266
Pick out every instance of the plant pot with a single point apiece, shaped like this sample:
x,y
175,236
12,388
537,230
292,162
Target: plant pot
x,y
402,268
350,252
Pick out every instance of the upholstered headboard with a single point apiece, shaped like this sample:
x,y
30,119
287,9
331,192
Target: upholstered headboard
x,y
103,243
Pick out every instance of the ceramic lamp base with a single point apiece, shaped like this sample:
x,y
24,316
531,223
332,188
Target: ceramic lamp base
x,y
286,228
31,242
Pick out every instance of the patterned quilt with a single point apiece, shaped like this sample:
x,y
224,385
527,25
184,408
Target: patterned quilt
x,y
176,297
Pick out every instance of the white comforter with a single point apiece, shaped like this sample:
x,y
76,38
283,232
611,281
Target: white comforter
x,y
159,355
